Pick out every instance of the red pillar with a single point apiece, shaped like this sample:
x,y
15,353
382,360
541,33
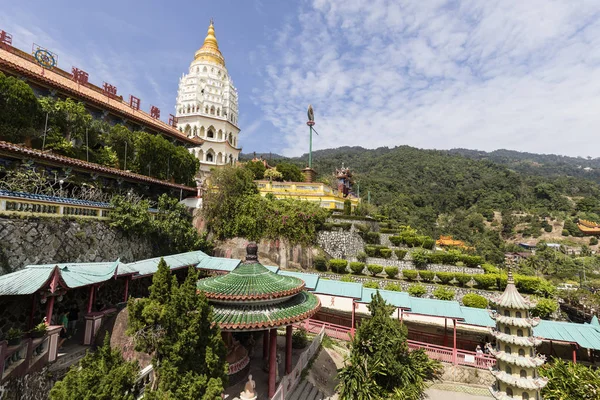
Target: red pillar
x,y
266,345
575,354
454,344
90,299
352,328
288,349
272,361
126,289
49,308
445,332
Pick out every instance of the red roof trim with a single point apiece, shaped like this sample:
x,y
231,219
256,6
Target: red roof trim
x,y
273,324
275,295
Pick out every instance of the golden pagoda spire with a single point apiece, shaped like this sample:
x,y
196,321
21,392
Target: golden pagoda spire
x,y
210,49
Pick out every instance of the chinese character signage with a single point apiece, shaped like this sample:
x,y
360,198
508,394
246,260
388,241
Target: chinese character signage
x,y
154,112
134,102
80,76
109,90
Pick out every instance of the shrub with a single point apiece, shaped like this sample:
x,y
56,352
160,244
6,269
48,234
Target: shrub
x,y
567,380
442,293
391,272
338,265
371,285
445,277
410,274
593,241
385,253
428,243
346,278
548,228
426,276
417,290
371,237
420,258
362,228
400,253
462,279
527,284
565,232
357,267
393,286
490,269
396,240
501,281
320,263
485,281
544,308
374,269
474,300
361,256
371,251
299,338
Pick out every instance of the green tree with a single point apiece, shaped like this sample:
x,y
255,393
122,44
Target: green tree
x,y
175,325
123,142
100,375
544,308
272,175
257,167
380,365
442,293
417,290
68,121
20,112
474,300
568,381
290,172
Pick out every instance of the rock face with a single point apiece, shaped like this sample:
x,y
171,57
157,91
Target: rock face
x,y
340,244
37,241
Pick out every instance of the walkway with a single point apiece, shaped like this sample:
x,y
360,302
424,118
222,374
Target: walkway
x,y
456,391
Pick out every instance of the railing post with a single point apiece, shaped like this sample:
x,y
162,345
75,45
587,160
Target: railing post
x,y
92,324
53,334
454,344
3,347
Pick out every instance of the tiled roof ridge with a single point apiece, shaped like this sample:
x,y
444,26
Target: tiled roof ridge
x,y
15,148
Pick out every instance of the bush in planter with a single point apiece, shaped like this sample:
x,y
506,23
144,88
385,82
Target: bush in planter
x,y
462,279
374,269
39,330
445,277
385,253
14,336
393,286
357,267
426,276
485,281
371,251
474,300
346,278
299,338
320,263
391,272
400,253
410,274
361,256
417,290
442,293
544,308
338,265
371,285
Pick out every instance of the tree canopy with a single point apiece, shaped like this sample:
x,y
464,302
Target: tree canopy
x,y
20,112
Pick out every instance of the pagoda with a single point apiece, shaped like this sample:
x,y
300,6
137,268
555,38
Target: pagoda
x,y
251,298
516,361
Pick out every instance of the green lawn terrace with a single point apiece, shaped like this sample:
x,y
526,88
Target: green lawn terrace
x,y
448,331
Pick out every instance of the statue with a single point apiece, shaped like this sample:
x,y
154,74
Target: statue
x,y
311,114
278,360
249,393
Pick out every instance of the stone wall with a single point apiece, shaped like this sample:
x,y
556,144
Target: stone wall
x,y
53,240
469,375
340,244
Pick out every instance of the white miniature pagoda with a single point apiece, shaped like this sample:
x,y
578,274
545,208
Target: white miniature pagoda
x,y
516,361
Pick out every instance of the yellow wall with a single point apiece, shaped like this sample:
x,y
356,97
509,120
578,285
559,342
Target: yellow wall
x,y
317,192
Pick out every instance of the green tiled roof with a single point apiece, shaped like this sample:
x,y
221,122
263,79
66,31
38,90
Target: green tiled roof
x,y
250,281
338,288
149,266
218,264
248,316
437,308
309,279
397,299
477,316
585,335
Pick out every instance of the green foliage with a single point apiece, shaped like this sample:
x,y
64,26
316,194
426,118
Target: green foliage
x,y
593,241
357,267
346,278
257,168
371,237
393,287
374,269
410,274
385,253
371,285
320,263
490,269
420,258
299,338
474,300
290,172
426,276
377,251
568,381
361,256
20,112
485,281
384,368
417,290
544,308
273,175
462,279
102,374
391,272
175,324
347,207
442,293
338,265
400,253
445,277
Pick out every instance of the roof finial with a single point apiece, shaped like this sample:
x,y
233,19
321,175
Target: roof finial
x,y
510,279
251,252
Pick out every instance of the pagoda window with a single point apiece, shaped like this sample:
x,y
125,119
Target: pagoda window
x,y
195,131
188,108
525,396
507,313
508,370
230,138
218,112
210,133
187,129
509,391
209,157
520,332
507,330
220,134
206,110
212,110
201,131
522,352
518,314
507,349
523,373
205,69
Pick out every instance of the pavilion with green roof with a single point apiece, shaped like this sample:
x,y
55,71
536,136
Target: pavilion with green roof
x,y
252,298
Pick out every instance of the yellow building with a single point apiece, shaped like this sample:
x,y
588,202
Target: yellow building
x,y
316,192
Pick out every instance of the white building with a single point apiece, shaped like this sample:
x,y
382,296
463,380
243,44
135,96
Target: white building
x,y
207,107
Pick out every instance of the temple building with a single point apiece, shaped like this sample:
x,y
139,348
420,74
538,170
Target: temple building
x,y
207,107
516,360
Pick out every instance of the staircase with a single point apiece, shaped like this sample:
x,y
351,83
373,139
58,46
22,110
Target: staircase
x,y
305,391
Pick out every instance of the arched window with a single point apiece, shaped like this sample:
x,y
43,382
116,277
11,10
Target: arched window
x,y
235,142
200,155
523,374
506,313
518,314
507,330
188,108
507,349
220,134
201,131
230,138
508,369
209,157
520,332
220,158
204,69
509,391
187,129
197,69
525,396
522,352
212,110
210,133
218,112
195,131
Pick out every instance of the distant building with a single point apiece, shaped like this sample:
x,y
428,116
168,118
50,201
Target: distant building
x,y
314,192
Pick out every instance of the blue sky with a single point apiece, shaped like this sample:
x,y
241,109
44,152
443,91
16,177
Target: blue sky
x,y
433,74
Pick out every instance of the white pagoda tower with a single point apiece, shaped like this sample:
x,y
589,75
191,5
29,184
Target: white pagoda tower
x,y
207,107
516,361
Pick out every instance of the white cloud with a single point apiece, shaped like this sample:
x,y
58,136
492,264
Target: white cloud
x,y
438,74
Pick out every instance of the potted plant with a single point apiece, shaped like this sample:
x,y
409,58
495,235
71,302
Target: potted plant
x,y
14,336
38,331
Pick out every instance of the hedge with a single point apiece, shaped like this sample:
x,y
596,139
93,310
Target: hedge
x,y
391,272
388,230
474,300
426,276
410,274
412,240
320,263
462,279
417,290
400,253
352,217
393,286
374,269
445,277
385,253
442,293
371,285
345,226
338,265
375,250
357,267
485,281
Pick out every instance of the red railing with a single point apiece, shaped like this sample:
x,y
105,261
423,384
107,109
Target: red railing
x,y
434,351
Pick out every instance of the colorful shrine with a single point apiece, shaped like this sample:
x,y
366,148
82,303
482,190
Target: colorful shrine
x,y
588,227
251,298
516,360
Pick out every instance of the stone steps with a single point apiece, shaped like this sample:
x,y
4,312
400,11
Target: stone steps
x,y
305,391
